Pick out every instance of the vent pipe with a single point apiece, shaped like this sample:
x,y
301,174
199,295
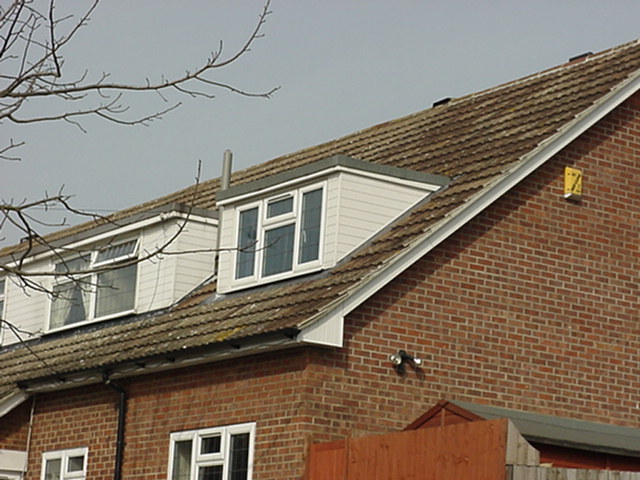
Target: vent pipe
x,y
225,179
226,170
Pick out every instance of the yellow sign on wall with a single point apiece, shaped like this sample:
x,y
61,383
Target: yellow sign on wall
x,y
572,183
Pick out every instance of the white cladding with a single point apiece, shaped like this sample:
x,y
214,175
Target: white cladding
x,y
162,279
358,205
365,206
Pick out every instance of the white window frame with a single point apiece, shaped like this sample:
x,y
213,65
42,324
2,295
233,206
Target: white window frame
x,y
221,458
91,279
3,305
64,456
265,224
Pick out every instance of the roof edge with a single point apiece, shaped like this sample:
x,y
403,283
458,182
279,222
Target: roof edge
x,y
338,160
470,209
13,399
563,431
100,229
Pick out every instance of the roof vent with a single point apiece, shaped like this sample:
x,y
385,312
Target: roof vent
x,y
442,101
582,56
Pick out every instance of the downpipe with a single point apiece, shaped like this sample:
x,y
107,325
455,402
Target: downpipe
x,y
122,408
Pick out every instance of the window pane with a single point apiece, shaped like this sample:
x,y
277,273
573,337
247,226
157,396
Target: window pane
x,y
116,251
181,460
210,473
310,226
74,265
247,236
116,290
280,207
52,469
75,464
278,253
210,445
239,451
70,303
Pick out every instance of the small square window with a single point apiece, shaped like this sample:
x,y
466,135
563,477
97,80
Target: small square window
x,y
279,207
210,445
65,464
75,464
224,453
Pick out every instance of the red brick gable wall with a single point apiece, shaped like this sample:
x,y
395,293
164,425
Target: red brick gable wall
x,y
14,428
533,305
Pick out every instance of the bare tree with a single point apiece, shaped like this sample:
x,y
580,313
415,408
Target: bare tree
x,y
32,72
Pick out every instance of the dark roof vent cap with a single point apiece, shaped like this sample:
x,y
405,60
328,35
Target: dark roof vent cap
x,y
582,56
442,101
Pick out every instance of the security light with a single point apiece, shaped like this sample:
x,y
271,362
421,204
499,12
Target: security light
x,y
399,360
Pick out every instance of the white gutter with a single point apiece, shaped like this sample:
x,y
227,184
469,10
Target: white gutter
x,y
450,224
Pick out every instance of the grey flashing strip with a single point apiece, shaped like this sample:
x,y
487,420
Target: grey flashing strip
x,y
122,222
338,160
565,432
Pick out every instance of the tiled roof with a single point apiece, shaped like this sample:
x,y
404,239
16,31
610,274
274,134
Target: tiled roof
x,y
476,140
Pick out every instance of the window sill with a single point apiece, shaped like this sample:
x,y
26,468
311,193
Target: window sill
x,y
90,321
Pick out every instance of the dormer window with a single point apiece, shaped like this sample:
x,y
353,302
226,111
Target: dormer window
x,y
309,218
108,288
280,234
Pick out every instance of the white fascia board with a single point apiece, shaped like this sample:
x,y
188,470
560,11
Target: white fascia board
x,y
449,225
328,331
11,401
429,187
124,230
322,174
290,184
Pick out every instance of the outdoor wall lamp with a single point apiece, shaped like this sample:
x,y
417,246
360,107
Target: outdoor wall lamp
x,y
400,359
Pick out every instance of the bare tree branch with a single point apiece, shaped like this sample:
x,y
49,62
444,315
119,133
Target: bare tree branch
x,y
32,71
40,76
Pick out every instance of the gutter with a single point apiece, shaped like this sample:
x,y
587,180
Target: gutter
x,y
229,349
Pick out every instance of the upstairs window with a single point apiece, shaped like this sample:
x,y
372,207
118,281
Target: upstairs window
x,y
65,464
224,453
280,234
107,289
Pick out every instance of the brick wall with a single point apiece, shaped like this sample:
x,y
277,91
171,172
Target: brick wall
x,y
83,417
533,305
14,428
262,389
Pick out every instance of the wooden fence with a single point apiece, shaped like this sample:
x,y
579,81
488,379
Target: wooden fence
x,y
484,450
466,451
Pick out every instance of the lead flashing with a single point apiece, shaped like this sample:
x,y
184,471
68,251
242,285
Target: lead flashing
x,y
338,160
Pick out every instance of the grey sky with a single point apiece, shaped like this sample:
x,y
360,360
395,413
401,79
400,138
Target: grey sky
x,y
341,65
